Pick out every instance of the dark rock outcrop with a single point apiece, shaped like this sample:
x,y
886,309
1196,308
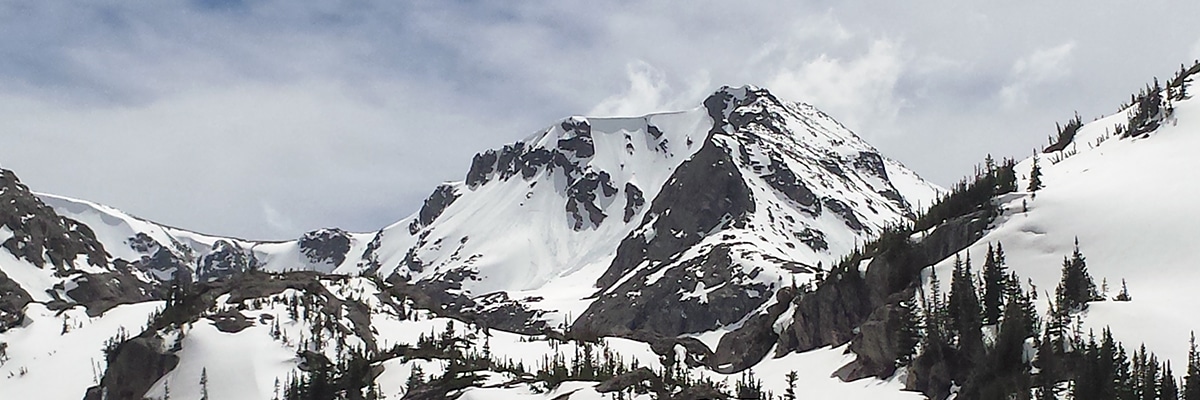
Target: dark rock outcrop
x,y
578,138
862,308
433,207
225,259
842,210
133,366
640,376
12,303
230,321
705,193
582,194
671,306
785,181
482,166
634,201
40,235
443,296
748,344
101,292
872,163
876,343
327,246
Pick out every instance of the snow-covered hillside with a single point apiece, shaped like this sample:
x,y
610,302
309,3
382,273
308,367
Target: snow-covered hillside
x,y
1132,205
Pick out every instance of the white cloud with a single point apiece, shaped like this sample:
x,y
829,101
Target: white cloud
x,y
282,224
859,91
649,92
1041,66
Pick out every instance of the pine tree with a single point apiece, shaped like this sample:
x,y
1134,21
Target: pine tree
x,y
415,378
204,384
1076,288
908,336
1035,176
935,307
1124,295
1048,366
790,392
965,312
1191,382
994,284
1170,388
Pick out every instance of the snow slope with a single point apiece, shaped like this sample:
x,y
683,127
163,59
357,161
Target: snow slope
x,y
1132,205
59,355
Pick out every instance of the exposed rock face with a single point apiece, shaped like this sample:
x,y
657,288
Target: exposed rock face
x,y
876,339
721,296
634,201
863,308
582,195
41,236
748,344
101,292
842,210
158,260
133,367
705,193
785,181
12,303
828,315
578,139
716,197
369,262
444,296
437,202
225,259
327,246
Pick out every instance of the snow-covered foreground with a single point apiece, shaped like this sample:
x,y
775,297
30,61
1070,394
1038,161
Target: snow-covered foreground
x,y
254,363
59,355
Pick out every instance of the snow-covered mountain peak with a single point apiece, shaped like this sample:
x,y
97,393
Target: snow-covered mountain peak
x,y
694,217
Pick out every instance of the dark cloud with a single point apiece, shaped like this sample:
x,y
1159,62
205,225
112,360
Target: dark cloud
x,y
267,118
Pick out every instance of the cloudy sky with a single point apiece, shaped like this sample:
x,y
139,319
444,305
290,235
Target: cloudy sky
x,y
265,119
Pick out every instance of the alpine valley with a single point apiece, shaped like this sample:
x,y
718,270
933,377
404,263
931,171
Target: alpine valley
x,y
750,247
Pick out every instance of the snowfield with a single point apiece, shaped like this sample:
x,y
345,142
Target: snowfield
x,y
1132,204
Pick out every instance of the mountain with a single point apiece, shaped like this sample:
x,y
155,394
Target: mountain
x,y
776,189
688,255
668,225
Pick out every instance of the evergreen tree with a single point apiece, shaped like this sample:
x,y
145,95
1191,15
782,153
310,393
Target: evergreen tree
x,y
965,315
995,280
1076,288
1170,388
935,306
1088,372
204,384
1124,295
1191,382
790,392
1035,176
1048,363
416,378
1004,372
909,334
1006,177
